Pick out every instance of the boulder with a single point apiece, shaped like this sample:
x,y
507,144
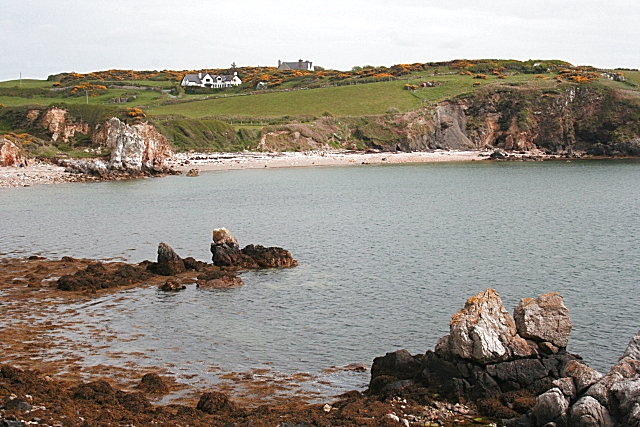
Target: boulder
x,y
549,407
483,331
153,384
544,318
193,172
627,394
172,285
582,375
567,386
588,412
169,263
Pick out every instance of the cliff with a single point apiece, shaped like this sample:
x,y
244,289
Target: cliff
x,y
595,120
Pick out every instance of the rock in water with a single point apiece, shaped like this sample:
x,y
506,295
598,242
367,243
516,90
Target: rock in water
x,y
169,263
270,257
483,331
225,248
226,253
544,318
193,172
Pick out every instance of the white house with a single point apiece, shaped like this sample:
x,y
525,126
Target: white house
x,y
211,81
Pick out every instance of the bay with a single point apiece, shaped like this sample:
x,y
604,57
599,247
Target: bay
x,y
387,255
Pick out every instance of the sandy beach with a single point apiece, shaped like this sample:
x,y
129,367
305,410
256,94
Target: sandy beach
x,y
251,160
44,173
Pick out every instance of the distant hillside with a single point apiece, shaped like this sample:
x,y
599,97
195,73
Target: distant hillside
x,y
407,107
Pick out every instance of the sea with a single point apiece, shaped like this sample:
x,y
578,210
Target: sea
x,y
387,254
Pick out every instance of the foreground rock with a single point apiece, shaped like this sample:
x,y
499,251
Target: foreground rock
x,y
227,253
527,383
485,360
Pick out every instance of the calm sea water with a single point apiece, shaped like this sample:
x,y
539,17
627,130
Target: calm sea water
x,y
387,255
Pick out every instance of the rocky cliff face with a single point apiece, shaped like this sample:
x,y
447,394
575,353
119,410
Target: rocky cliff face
x,y
56,122
589,119
134,148
10,153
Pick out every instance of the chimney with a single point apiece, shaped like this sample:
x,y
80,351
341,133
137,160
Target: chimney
x,y
279,63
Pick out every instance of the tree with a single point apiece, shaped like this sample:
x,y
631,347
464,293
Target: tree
x,y
233,65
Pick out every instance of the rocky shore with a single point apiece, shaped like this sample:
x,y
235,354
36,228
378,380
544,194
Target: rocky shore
x,y
516,369
493,368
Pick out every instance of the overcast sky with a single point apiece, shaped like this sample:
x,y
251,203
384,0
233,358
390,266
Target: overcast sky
x,y
42,37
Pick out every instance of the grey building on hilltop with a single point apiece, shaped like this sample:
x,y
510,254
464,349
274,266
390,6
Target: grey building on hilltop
x,y
299,65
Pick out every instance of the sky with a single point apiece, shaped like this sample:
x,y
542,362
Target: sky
x,y
43,37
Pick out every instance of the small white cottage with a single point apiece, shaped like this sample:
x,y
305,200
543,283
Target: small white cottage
x,y
211,81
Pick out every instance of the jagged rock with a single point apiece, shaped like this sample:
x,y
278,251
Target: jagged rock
x,y
135,148
549,407
169,263
588,412
483,331
10,153
544,318
582,375
55,121
225,248
628,367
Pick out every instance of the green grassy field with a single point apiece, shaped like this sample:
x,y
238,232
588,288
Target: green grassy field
x,y
349,100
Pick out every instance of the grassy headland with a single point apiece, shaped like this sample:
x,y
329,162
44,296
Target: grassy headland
x,y
366,101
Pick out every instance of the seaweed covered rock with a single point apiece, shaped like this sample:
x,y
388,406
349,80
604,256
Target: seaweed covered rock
x,y
227,253
214,403
169,263
101,276
215,278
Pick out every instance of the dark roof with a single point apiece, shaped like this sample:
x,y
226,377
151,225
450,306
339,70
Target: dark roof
x,y
295,65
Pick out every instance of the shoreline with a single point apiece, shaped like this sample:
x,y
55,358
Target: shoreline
x,y
41,173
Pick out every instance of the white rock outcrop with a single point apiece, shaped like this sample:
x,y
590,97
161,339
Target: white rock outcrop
x,y
483,331
134,148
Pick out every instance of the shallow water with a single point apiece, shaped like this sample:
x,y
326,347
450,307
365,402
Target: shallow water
x,y
387,255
